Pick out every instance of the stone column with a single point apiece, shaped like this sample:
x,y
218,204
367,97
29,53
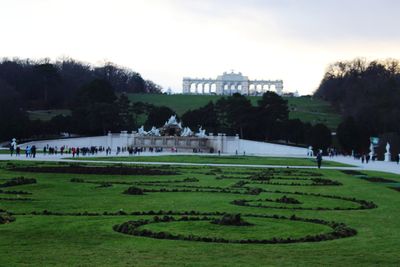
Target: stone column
x,y
219,143
237,141
133,138
224,144
202,88
124,138
109,139
219,90
186,86
279,87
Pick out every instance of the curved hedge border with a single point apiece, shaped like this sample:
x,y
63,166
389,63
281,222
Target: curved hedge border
x,y
340,230
15,199
150,183
15,192
18,181
118,170
315,182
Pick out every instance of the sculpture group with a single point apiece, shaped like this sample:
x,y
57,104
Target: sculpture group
x,y
172,128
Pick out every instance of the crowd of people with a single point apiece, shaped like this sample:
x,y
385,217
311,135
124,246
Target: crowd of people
x,y
31,151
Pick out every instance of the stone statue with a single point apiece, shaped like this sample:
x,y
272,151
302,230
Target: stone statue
x,y
187,132
172,120
14,143
371,150
154,132
310,151
388,156
201,133
141,131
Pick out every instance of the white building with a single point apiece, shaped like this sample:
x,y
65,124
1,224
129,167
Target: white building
x,y
230,83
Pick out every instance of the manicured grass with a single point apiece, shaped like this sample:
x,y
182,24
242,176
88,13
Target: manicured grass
x,y
75,239
46,115
306,109
247,160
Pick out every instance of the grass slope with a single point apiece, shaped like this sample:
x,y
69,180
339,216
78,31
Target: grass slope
x,y
46,240
46,115
303,108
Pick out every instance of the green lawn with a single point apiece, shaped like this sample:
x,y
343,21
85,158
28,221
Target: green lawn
x,y
46,115
75,238
247,160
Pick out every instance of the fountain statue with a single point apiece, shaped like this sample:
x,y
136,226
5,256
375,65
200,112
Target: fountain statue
x,y
201,133
141,131
187,132
154,132
172,121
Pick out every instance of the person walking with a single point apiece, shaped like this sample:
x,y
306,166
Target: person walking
x,y
33,151
319,159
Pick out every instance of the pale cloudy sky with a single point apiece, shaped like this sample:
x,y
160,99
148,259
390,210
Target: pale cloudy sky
x,y
165,40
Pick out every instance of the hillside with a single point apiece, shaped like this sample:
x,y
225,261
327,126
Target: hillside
x,y
306,109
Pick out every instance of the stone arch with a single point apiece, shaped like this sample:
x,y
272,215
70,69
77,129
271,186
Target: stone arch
x,y
225,89
273,87
192,88
239,88
259,89
232,88
252,89
207,88
213,88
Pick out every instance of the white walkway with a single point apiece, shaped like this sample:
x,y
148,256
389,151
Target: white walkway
x,y
390,167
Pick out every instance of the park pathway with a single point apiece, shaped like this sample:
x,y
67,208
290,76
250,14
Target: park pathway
x,y
390,167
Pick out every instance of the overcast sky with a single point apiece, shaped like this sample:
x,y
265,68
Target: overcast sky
x,y
165,40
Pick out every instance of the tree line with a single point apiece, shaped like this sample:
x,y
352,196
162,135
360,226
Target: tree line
x,y
267,121
97,109
42,84
32,85
367,94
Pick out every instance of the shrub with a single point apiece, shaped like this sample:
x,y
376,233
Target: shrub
x,y
5,218
133,190
287,200
77,180
231,219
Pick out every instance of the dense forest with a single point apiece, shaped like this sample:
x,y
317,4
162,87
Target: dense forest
x,y
368,96
69,84
44,85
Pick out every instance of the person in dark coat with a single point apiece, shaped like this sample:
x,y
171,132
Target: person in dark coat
x,y
319,159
